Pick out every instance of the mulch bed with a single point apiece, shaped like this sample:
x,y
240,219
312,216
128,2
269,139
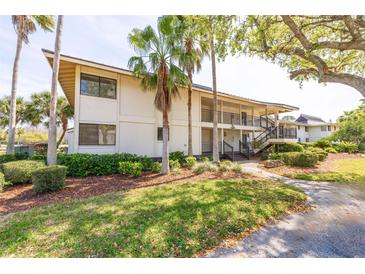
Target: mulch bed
x,y
325,166
22,197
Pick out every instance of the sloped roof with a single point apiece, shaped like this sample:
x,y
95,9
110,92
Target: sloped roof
x,y
67,64
308,118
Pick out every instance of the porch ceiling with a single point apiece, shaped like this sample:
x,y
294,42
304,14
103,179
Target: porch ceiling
x,y
66,78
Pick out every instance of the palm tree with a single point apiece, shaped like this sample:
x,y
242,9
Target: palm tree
x,y
5,111
38,112
52,129
23,25
156,65
193,51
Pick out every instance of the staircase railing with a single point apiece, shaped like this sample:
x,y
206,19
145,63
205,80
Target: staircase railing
x,y
244,149
266,135
228,150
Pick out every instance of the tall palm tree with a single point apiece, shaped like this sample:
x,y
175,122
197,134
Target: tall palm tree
x,y
156,65
193,52
38,110
24,26
52,129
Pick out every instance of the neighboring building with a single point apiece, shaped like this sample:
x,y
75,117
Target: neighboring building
x,y
311,128
114,115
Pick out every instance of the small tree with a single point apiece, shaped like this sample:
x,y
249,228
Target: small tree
x,y
20,117
156,66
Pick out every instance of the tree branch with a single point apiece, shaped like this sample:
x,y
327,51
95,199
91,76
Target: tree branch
x,y
297,31
352,27
305,72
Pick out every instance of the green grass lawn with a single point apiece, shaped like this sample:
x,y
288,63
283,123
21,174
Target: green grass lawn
x,y
177,220
346,171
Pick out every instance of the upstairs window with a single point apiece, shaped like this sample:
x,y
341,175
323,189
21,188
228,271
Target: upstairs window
x,y
98,86
306,129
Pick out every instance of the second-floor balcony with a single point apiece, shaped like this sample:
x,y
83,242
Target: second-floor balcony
x,y
235,118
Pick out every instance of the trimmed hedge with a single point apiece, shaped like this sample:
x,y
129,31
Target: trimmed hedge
x,y
177,156
348,147
2,182
130,168
304,159
291,147
5,158
49,178
82,165
19,172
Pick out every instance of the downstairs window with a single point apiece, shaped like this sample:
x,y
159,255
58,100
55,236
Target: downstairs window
x,y
96,134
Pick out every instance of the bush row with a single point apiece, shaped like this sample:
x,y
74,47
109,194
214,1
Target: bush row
x,y
303,159
44,178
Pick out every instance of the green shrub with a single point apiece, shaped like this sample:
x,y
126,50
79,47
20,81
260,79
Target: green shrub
x,y
322,154
3,183
204,159
156,167
174,164
348,147
5,158
304,159
82,165
330,150
307,144
177,156
264,155
39,157
49,178
40,148
224,166
19,172
130,168
190,161
274,156
237,168
291,147
205,167
322,143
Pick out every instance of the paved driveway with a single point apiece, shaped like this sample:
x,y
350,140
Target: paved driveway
x,y
334,228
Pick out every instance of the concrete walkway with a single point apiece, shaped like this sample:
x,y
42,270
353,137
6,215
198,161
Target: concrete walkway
x,y
334,228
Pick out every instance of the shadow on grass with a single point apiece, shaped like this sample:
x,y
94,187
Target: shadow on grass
x,y
166,221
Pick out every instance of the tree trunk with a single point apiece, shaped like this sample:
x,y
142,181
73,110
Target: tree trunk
x,y
190,127
52,131
61,138
165,146
215,102
12,116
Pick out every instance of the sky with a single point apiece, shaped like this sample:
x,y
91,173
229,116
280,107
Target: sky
x,y
104,39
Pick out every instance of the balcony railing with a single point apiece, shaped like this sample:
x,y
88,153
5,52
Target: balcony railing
x,y
232,118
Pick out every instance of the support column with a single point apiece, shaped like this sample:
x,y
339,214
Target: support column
x,y
252,116
267,118
222,138
221,111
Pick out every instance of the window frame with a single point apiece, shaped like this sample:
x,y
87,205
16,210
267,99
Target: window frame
x,y
323,128
99,78
329,128
115,139
306,129
168,135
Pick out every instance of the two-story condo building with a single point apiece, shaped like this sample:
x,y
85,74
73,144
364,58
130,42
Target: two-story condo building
x,y
311,128
112,114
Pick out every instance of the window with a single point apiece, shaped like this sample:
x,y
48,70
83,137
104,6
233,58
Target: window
x,y
323,128
299,140
306,129
98,86
94,134
160,134
298,127
329,128
307,140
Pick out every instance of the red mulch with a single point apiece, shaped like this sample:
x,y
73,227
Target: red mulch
x,y
325,166
22,197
